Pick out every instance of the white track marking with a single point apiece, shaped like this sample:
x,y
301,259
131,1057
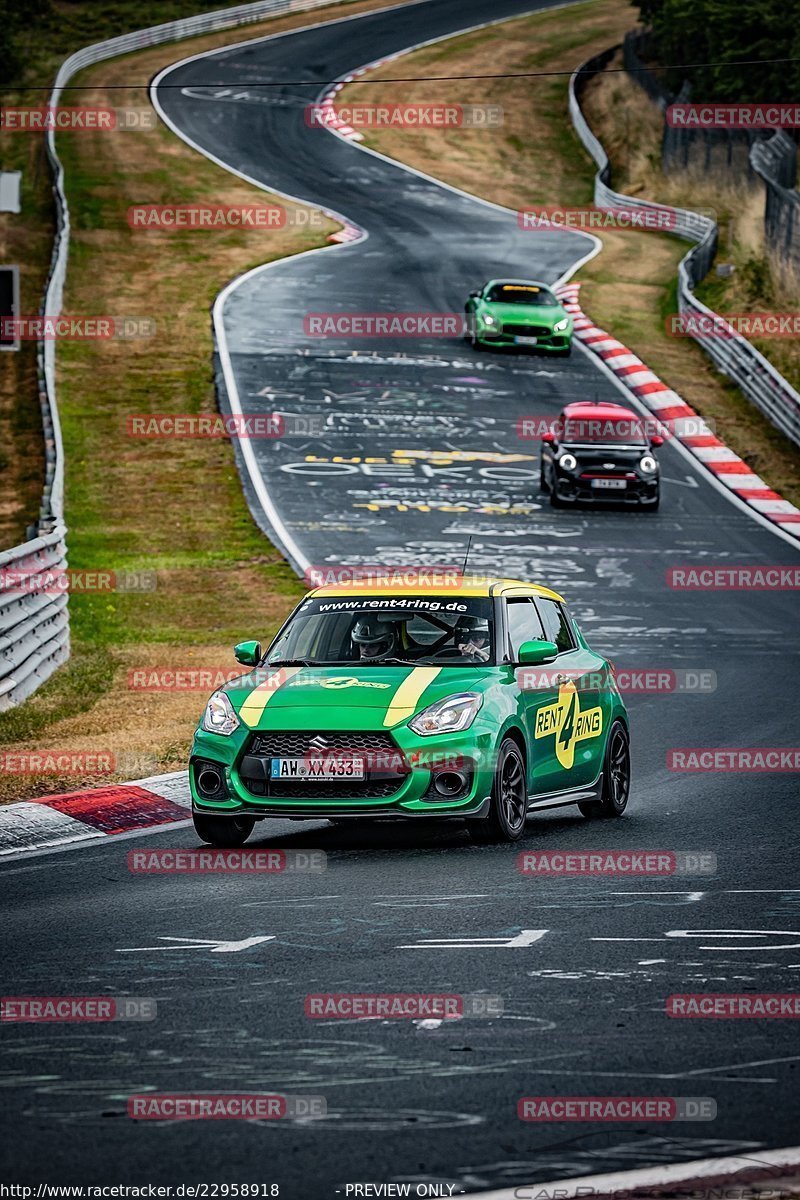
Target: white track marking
x,y
214,945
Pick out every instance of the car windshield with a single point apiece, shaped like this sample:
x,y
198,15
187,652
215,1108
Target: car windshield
x,y
520,293
420,630
604,430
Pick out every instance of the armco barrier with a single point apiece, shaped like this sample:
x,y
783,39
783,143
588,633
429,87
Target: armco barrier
x,y
34,621
733,355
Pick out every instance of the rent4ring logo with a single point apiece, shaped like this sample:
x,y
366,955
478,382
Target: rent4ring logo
x,y
568,722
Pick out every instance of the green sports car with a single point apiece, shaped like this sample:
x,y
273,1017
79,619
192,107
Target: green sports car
x,y
480,701
518,312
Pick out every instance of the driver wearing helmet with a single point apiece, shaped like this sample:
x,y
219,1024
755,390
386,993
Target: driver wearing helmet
x,y
374,637
471,636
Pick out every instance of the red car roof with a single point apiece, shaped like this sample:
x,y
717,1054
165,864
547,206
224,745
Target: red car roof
x,y
583,410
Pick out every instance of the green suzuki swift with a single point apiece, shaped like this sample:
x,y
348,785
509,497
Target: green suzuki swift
x,y
479,701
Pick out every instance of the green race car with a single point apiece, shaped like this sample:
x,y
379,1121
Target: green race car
x,y
518,312
479,701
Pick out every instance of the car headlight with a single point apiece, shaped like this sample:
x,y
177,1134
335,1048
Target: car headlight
x,y
219,716
560,326
451,715
568,461
488,319
648,464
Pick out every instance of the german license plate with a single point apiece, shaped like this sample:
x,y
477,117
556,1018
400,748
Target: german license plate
x,y
526,341
609,483
325,769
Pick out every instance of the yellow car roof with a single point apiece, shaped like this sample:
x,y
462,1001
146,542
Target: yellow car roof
x,y
466,585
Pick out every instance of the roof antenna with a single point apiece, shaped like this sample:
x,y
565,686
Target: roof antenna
x,y
466,556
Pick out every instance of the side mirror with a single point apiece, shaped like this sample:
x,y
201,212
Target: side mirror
x,y
248,653
534,652
475,295
656,440
549,437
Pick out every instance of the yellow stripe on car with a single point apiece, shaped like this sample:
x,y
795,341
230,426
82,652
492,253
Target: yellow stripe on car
x,y
404,701
259,698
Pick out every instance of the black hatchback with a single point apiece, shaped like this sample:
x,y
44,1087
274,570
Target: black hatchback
x,y
600,453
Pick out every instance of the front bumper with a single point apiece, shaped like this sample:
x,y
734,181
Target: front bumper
x,y
550,343
636,491
245,789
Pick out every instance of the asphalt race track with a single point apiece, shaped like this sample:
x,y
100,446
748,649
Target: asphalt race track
x,y
584,1001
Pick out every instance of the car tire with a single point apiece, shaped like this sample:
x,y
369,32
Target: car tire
x,y
651,505
616,777
565,353
225,832
555,500
509,802
543,484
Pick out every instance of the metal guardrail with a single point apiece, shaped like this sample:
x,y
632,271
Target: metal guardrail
x,y
775,161
733,355
34,620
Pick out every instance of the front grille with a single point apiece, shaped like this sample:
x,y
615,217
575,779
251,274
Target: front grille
x,y
385,770
526,330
